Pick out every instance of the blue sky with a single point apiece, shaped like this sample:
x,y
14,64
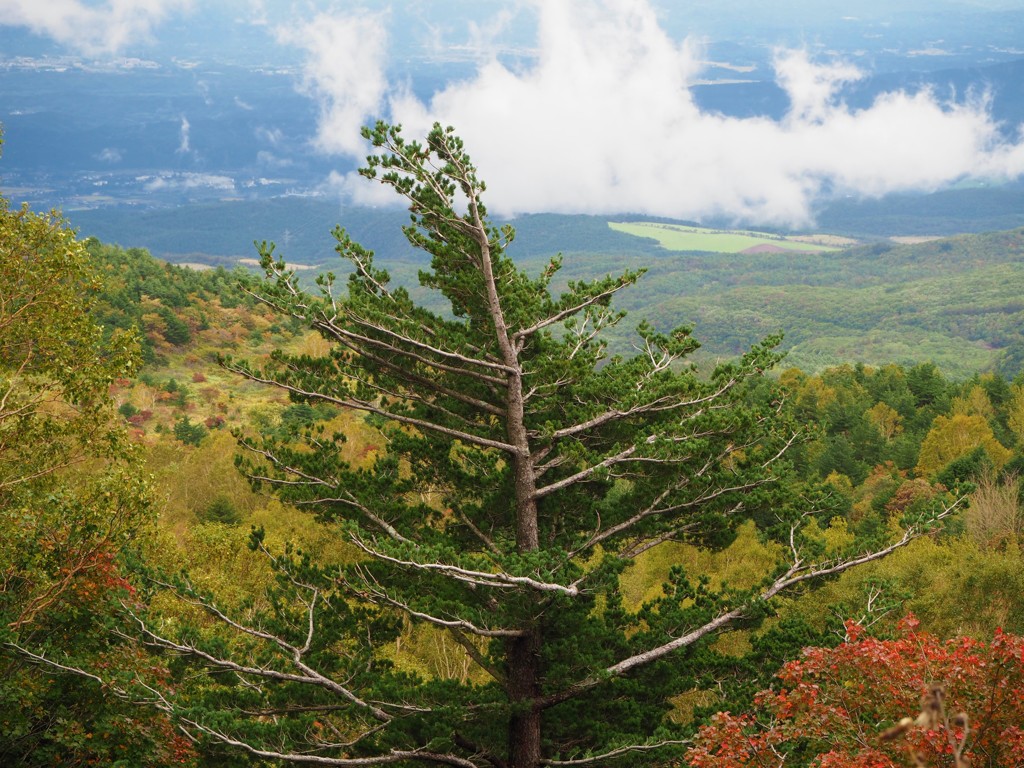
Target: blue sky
x,y
585,106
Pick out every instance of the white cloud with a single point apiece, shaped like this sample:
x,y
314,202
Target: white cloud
x,y
270,160
204,90
92,28
604,122
184,145
256,13
272,136
109,155
811,89
187,181
344,71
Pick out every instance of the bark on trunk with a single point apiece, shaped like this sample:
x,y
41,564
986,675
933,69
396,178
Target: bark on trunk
x,y
524,727
527,533
523,653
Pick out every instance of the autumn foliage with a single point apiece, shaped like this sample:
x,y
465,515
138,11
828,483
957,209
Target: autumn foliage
x,y
870,703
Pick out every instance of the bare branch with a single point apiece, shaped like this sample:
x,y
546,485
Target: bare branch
x,y
568,312
585,474
612,415
789,444
380,522
44,661
641,546
363,269
796,574
655,508
341,333
310,676
475,654
288,469
367,407
345,338
375,594
393,756
313,480
615,753
655,405
480,578
484,538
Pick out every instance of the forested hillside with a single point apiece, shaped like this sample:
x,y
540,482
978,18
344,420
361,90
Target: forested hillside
x,y
867,426
952,301
146,577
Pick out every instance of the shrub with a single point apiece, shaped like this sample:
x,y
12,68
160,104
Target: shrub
x,y
189,433
221,510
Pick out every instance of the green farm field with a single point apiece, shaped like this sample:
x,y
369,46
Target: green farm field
x,y
679,237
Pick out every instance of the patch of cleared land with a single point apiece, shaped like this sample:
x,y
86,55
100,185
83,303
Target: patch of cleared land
x,y
914,239
678,237
290,265
834,241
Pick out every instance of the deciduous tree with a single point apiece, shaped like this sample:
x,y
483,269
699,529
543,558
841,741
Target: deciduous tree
x,y
71,499
955,436
912,700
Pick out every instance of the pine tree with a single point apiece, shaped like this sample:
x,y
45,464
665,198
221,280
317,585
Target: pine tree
x,y
524,470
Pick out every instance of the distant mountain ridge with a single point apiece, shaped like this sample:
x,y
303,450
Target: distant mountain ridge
x,y
223,232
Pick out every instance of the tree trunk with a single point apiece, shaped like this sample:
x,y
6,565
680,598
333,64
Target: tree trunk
x,y
522,653
527,533
524,727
